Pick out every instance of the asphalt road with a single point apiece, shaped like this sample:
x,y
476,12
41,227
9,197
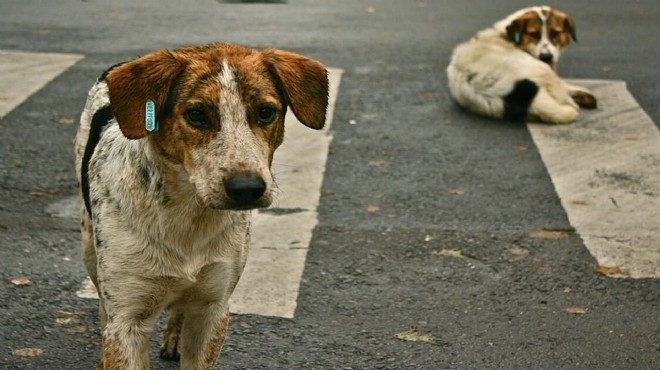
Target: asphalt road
x,y
412,180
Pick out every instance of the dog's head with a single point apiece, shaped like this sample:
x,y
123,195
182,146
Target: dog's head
x,y
220,111
541,31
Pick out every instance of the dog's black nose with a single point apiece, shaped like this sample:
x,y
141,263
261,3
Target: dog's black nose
x,y
244,190
546,58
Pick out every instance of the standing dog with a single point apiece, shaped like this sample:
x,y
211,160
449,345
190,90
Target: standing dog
x,y
173,150
508,71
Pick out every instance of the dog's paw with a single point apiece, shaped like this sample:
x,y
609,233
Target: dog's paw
x,y
584,99
168,351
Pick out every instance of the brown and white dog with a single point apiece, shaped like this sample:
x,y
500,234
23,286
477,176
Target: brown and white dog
x,y
165,207
508,71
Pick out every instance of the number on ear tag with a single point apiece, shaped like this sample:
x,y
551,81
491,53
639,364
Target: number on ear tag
x,y
150,122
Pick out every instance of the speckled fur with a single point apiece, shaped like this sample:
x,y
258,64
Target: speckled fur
x,y
162,233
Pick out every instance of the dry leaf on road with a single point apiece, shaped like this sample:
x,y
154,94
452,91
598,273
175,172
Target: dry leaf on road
x,y
576,310
28,352
39,193
457,253
551,234
518,253
64,320
608,271
76,329
22,281
373,208
413,335
66,120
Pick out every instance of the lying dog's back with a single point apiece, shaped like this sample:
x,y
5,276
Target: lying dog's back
x,y
507,71
484,71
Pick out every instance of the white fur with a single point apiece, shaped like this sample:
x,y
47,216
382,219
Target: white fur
x,y
483,70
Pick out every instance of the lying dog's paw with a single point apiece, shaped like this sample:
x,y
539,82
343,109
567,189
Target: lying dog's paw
x,y
584,99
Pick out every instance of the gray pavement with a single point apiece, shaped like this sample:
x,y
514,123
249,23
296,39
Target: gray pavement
x,y
429,217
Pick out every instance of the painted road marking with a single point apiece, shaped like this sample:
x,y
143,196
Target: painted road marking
x,y
24,73
606,170
281,234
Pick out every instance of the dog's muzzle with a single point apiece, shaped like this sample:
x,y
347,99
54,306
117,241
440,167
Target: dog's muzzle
x,y
245,191
546,58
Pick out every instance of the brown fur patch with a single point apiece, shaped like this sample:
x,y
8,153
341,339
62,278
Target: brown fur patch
x,y
217,341
112,358
305,83
528,28
561,28
525,29
259,90
131,84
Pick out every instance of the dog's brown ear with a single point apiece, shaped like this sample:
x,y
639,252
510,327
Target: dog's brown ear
x,y
305,84
570,27
565,23
132,84
514,31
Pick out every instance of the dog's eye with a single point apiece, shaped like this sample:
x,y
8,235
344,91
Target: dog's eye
x,y
197,118
266,115
554,34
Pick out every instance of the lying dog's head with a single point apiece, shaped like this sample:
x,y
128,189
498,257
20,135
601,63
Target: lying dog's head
x,y
220,110
541,31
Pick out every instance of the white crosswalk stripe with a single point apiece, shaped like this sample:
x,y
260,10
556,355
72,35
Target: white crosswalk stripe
x,y
606,170
281,236
24,73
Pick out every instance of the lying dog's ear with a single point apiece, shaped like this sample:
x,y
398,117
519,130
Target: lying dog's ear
x,y
565,23
132,84
570,27
305,84
514,31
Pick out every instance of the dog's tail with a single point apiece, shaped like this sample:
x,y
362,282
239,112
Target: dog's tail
x,y
516,103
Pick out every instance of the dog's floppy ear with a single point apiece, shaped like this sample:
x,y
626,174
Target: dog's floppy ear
x,y
557,17
570,27
305,85
514,31
132,84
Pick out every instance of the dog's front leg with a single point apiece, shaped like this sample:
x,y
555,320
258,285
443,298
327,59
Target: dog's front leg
x,y
205,319
581,96
203,335
131,306
125,347
169,349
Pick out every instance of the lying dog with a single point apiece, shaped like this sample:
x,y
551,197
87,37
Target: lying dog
x,y
508,71
173,150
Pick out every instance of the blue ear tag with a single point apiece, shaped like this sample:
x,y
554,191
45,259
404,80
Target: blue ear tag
x,y
150,116
516,38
